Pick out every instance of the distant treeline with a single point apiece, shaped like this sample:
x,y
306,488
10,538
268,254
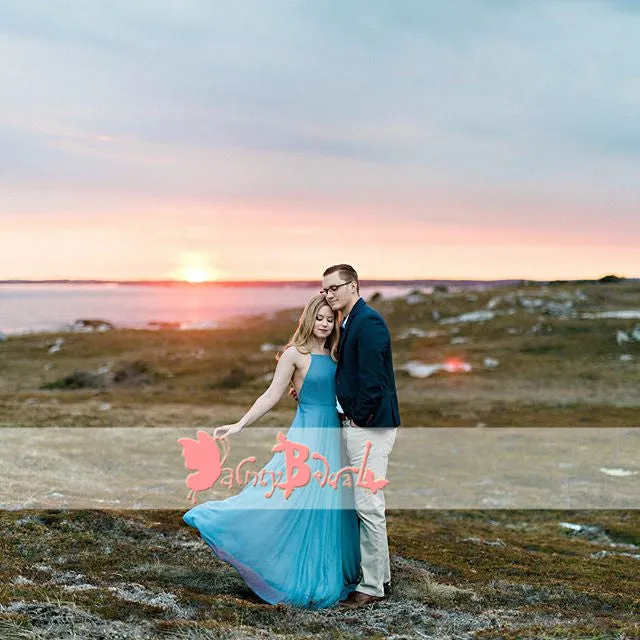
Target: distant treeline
x,y
604,280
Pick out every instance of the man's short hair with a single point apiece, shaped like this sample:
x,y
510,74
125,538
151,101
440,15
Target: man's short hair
x,y
345,271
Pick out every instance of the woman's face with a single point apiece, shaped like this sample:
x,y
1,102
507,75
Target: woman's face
x,y
323,325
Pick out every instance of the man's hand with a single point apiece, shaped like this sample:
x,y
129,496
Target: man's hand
x,y
293,394
227,430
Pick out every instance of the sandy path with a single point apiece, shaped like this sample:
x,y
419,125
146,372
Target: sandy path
x,y
429,468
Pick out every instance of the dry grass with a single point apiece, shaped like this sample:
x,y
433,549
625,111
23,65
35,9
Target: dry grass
x,y
488,574
554,370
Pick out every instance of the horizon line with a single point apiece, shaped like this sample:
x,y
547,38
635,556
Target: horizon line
x,y
303,282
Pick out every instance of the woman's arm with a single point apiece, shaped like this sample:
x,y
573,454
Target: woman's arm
x,y
269,399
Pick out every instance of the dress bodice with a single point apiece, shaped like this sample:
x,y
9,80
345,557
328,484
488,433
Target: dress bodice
x,y
319,385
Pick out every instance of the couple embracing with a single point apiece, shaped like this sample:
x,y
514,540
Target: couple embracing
x,y
322,545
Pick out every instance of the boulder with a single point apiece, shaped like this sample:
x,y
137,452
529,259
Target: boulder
x,y
415,297
88,325
417,369
54,348
472,316
622,337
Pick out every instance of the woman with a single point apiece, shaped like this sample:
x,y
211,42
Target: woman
x,y
302,550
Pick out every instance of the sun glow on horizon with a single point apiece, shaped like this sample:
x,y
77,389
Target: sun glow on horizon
x,y
198,274
195,267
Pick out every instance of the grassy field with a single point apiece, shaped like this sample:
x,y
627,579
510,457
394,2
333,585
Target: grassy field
x,y
482,574
555,368
457,574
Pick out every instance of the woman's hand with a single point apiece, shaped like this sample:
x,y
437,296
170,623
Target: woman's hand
x,y
227,430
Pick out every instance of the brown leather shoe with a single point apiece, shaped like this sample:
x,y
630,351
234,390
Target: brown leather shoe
x,y
359,599
347,601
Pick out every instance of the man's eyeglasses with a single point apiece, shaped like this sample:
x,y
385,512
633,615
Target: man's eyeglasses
x,y
333,288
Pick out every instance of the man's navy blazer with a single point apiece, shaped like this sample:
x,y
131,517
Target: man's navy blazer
x,y
365,384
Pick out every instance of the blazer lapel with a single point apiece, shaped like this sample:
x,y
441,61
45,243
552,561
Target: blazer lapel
x,y
343,336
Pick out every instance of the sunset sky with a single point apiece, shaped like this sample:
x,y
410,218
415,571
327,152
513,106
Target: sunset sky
x,y
266,140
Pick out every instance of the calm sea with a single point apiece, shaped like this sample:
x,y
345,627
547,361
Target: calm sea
x,y
54,307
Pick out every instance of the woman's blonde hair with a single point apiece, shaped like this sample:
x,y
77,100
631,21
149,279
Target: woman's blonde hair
x,y
301,338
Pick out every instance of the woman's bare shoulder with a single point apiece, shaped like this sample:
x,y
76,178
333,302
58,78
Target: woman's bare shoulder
x,y
292,354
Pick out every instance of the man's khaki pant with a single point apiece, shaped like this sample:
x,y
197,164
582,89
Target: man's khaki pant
x,y
374,548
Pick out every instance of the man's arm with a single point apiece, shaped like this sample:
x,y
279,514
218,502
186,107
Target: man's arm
x,y
373,341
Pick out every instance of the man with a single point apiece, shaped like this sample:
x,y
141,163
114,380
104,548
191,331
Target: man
x,y
368,406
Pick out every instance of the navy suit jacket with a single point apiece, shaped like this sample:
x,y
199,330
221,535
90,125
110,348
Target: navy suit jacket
x,y
365,384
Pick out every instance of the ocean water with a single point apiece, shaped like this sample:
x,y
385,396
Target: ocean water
x,y
26,308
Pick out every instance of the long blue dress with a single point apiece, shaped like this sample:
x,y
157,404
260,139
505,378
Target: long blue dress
x,y
305,550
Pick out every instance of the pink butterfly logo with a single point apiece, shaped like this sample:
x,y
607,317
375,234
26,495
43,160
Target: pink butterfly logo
x,y
369,481
203,456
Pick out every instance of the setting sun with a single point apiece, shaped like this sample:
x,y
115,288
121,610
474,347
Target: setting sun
x,y
197,274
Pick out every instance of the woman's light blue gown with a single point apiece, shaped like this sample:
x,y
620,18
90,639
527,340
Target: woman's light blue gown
x,y
303,551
